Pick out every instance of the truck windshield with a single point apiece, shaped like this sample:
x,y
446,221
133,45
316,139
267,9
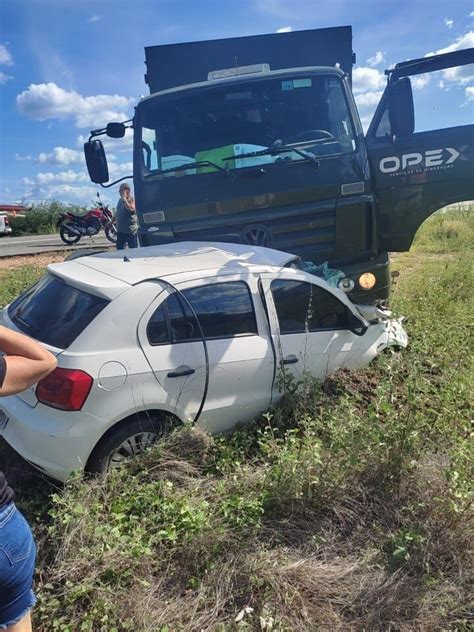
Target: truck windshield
x,y
220,124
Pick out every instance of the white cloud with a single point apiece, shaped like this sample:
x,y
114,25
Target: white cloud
x,y
4,78
61,156
469,93
420,81
284,29
377,59
460,74
48,101
94,18
5,56
449,23
368,99
49,178
120,169
62,177
367,79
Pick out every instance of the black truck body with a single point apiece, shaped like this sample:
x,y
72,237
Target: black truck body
x,y
258,140
172,65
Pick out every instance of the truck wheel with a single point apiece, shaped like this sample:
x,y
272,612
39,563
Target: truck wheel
x,y
127,439
67,237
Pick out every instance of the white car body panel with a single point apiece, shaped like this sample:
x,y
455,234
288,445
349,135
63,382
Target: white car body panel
x,y
130,375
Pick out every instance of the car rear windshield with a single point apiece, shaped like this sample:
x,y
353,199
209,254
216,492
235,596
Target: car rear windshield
x,y
54,312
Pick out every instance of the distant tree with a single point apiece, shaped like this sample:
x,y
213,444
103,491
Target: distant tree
x,y
41,218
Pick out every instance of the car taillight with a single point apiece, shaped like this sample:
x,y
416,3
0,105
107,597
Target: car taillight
x,y
65,389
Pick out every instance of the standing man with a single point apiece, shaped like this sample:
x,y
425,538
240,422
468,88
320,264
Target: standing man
x,y
24,363
127,225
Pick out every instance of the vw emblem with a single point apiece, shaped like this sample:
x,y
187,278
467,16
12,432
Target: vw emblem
x,y
257,236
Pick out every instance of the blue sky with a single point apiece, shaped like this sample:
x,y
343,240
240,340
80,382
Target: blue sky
x,y
67,66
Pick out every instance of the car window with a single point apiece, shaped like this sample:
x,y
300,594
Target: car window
x,y
54,312
304,307
172,321
157,329
224,310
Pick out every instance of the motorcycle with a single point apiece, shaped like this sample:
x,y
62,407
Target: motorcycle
x,y
72,227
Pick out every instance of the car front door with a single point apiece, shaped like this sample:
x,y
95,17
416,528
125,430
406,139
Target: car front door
x,y
311,326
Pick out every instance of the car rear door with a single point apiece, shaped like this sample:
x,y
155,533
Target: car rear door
x,y
166,334
219,371
416,173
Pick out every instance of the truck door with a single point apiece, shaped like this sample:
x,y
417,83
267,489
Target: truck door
x,y
416,173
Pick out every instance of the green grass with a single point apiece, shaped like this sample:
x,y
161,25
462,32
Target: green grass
x,y
346,508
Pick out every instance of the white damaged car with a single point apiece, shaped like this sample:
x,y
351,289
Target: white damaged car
x,y
193,331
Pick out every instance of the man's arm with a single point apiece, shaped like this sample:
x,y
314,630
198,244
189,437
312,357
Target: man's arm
x,y
26,362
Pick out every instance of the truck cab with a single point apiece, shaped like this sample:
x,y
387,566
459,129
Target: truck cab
x,y
267,149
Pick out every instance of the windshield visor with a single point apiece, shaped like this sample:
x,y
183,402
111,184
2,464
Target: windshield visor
x,y
220,124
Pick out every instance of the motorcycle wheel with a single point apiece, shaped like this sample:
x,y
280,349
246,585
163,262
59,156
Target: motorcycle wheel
x,y
68,238
111,233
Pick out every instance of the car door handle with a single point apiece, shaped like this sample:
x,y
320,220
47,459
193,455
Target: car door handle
x,y
181,371
291,359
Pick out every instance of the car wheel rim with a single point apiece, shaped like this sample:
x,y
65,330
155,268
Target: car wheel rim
x,y
132,446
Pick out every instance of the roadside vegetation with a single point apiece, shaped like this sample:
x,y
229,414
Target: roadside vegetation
x,y
346,508
41,218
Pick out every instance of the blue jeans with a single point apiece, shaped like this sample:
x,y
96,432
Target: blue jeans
x,y
126,238
17,565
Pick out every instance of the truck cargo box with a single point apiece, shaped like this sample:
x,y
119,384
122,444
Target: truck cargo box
x,y
172,65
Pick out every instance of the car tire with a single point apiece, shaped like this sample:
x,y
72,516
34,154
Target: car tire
x,y
126,439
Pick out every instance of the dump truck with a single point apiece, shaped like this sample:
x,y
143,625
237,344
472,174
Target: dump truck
x,y
257,140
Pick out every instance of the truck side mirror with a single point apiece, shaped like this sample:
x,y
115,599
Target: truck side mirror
x,y
115,130
96,161
400,107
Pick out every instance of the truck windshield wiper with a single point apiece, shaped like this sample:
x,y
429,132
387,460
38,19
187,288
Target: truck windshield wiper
x,y
190,165
298,148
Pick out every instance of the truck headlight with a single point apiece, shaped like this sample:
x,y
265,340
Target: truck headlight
x,y
367,280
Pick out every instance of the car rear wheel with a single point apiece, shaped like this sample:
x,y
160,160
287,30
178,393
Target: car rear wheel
x,y
125,440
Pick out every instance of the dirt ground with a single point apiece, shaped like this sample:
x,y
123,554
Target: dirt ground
x,y
9,263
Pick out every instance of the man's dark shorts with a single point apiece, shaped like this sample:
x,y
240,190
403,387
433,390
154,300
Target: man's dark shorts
x,y
126,238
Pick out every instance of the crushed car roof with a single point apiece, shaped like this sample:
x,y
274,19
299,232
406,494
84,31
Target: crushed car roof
x,y
139,264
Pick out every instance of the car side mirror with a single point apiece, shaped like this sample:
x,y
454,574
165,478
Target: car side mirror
x,y
96,161
356,325
401,111
115,130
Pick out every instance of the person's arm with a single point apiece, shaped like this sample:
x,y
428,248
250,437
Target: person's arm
x,y
26,362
